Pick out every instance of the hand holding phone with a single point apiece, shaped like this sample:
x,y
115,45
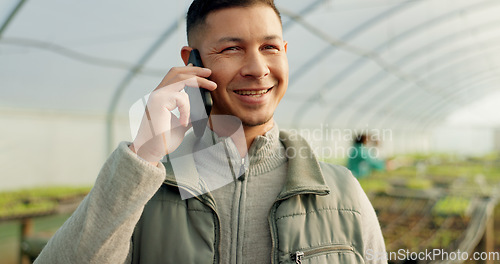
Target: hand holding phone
x,y
159,131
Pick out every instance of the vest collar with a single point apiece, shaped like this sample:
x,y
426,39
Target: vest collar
x,y
304,172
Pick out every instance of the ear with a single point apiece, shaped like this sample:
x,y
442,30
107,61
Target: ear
x,y
185,51
285,45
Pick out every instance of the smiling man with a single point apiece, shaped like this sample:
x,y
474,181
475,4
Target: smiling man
x,y
248,60
286,207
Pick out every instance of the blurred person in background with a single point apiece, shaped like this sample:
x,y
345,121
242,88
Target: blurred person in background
x,y
361,160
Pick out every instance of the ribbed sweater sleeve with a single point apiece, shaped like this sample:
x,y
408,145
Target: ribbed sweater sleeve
x,y
100,229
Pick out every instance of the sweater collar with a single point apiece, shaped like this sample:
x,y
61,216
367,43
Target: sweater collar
x,y
266,153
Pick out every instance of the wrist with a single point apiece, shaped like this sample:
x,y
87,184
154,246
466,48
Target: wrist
x,y
132,148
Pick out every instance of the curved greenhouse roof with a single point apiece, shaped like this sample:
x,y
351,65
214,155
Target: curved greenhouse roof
x,y
410,65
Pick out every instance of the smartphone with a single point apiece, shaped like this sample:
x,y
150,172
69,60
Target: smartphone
x,y
200,99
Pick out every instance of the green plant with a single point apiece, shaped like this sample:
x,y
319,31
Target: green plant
x,y
37,200
452,205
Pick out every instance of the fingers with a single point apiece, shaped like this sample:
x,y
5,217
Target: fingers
x,y
178,77
179,100
160,105
182,101
169,95
161,132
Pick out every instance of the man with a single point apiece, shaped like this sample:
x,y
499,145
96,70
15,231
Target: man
x,y
284,208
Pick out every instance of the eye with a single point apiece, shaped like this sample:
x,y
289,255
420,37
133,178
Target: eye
x,y
230,49
271,47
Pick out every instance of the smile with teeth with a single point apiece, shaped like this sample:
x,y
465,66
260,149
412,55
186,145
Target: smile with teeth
x,y
252,93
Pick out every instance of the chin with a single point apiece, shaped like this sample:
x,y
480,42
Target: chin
x,y
253,122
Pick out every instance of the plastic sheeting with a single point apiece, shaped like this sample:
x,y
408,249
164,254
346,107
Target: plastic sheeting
x,y
70,70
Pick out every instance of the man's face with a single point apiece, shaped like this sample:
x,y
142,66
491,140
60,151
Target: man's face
x,y
245,50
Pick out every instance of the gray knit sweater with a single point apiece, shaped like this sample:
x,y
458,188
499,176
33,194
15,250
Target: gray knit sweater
x,y
243,205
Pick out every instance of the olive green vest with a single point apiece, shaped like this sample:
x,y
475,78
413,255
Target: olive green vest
x,y
315,219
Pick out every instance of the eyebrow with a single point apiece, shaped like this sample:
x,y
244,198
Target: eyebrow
x,y
272,37
236,39
229,39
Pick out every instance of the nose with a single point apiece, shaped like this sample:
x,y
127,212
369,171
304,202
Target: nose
x,y
255,65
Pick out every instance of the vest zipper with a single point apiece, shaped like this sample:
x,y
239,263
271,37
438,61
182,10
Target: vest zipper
x,y
242,173
299,255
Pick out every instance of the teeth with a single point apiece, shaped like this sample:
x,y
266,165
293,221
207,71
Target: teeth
x,y
252,93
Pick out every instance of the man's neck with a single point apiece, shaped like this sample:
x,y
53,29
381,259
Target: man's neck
x,y
251,132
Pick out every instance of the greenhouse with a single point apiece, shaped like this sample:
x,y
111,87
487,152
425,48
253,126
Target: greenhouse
x,y
419,79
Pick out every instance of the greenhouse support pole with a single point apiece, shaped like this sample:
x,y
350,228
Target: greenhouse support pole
x,y
11,16
489,237
115,99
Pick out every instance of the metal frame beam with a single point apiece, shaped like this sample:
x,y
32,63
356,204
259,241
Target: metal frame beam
x,y
441,111
127,79
434,108
301,111
420,84
423,106
317,58
11,16
381,96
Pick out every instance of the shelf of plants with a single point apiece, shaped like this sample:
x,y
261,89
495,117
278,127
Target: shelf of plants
x,y
435,202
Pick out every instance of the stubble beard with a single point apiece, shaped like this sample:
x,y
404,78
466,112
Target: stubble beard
x,y
258,123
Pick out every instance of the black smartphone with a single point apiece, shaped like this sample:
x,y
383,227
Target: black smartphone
x,y
200,99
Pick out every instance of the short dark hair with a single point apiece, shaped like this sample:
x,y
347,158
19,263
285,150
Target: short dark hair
x,y
199,10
